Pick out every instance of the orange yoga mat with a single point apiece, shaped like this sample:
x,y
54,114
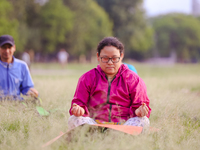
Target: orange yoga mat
x,y
126,129
133,130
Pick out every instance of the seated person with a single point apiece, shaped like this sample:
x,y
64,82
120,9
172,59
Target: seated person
x,y
110,93
15,77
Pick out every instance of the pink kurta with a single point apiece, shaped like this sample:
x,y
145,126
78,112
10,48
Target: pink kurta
x,y
114,102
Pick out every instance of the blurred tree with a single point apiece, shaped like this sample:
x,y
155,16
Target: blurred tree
x,y
91,24
8,24
33,22
129,24
179,33
56,22
77,26
27,14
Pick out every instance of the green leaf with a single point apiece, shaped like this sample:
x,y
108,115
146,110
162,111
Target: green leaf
x,y
42,111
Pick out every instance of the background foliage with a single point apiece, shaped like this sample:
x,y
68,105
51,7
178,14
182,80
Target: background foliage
x,y
46,26
179,33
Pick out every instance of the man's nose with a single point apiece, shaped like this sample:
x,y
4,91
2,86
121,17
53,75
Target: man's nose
x,y
7,49
110,61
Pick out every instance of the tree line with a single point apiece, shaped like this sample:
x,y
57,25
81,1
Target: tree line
x,y
78,26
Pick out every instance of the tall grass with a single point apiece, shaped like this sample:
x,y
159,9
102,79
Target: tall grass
x,y
174,93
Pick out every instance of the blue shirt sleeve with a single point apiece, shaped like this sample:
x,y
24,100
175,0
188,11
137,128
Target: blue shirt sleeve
x,y
27,82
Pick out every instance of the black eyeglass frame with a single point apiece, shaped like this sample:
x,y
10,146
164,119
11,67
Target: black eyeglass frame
x,y
110,58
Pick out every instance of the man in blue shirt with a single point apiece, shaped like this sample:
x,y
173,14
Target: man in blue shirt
x,y
15,77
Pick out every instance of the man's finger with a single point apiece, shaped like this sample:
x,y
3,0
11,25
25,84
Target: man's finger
x,y
146,108
75,110
141,112
74,104
78,111
143,104
34,92
82,112
72,110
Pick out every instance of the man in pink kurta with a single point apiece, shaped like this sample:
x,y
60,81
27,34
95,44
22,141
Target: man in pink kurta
x,y
110,93
114,102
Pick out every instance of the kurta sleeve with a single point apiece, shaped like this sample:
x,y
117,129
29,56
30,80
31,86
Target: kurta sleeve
x,y
82,93
138,95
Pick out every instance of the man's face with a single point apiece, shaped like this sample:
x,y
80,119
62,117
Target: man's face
x,y
110,66
6,52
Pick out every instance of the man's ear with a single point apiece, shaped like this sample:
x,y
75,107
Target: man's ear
x,y
14,48
122,56
98,58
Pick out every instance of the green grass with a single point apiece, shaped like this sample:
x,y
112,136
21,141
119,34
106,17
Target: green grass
x,y
174,94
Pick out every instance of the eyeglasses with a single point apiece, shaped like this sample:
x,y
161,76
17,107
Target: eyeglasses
x,y
107,59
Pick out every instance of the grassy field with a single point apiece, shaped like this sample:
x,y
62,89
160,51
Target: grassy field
x,y
174,93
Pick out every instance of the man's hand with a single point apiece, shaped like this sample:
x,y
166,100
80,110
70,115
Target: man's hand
x,y
142,110
33,92
77,110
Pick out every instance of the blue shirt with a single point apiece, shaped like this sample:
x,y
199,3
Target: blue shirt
x,y
131,67
15,78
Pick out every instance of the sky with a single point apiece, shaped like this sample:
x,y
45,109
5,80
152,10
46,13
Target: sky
x,y
156,7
